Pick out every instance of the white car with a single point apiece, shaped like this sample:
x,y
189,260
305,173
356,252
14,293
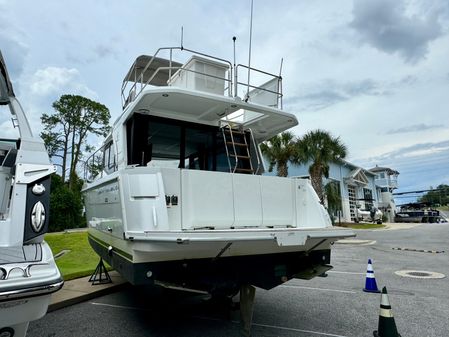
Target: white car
x,y
372,215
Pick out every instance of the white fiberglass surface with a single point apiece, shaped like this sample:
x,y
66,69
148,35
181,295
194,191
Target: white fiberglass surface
x,y
222,200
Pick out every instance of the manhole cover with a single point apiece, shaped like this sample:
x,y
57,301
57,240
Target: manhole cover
x,y
420,274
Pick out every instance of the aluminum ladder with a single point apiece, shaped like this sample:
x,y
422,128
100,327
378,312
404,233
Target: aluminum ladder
x,y
237,148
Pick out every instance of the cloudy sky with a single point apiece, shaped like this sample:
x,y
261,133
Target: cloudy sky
x,y
375,73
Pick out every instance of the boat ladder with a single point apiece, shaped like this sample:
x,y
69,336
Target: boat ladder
x,y
237,148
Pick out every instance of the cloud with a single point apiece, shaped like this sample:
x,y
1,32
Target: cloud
x,y
329,92
55,80
102,51
384,25
414,128
420,165
415,150
7,129
13,49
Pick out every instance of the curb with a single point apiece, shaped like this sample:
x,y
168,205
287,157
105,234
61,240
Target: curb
x,y
80,290
355,242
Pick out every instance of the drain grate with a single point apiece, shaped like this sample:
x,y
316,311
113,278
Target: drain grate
x,y
420,274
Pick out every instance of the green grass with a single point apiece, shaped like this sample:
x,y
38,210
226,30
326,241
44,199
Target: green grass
x,y
80,261
443,208
361,225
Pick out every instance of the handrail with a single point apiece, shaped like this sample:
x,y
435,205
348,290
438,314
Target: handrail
x,y
90,167
232,78
139,79
248,85
253,141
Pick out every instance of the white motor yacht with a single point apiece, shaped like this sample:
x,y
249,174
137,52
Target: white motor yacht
x,y
176,195
28,273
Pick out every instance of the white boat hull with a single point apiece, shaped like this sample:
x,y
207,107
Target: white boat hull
x,y
28,277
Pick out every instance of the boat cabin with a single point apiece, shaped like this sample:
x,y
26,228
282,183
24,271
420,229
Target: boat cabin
x,y
189,116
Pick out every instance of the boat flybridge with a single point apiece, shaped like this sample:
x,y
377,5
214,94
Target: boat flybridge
x,y
28,273
176,195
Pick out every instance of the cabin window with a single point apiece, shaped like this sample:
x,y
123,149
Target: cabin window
x,y
163,142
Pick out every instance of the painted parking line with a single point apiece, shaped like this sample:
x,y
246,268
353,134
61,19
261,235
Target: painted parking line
x,y
235,322
278,327
297,330
344,272
118,306
319,289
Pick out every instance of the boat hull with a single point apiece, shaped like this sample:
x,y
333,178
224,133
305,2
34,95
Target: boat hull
x,y
222,273
26,285
263,258
207,230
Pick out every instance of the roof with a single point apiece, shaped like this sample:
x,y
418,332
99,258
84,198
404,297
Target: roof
x,y
357,176
384,169
205,108
354,167
139,68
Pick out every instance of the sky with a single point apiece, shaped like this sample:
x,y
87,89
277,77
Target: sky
x,y
374,73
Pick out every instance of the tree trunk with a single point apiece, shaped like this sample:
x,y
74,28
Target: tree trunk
x,y
317,183
72,169
64,155
282,169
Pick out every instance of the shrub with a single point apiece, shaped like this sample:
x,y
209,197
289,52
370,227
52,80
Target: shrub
x,y
65,206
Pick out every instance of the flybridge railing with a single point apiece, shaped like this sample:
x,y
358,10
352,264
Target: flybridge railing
x,y
138,78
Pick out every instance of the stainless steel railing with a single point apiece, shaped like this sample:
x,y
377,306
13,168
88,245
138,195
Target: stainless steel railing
x,y
132,87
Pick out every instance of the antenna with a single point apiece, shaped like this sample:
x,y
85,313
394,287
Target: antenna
x,y
235,70
182,37
280,69
249,52
280,83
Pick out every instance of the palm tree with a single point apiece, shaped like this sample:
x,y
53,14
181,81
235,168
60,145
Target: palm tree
x,y
333,197
279,150
319,148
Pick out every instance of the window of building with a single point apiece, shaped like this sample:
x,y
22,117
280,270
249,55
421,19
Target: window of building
x,y
368,197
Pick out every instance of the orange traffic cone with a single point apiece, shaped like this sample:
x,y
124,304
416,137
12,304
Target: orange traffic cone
x,y
370,283
387,326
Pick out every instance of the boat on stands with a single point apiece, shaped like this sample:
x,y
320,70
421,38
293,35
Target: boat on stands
x,y
176,195
28,273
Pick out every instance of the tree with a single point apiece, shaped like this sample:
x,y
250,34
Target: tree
x,y
319,149
439,195
279,150
65,206
66,131
333,197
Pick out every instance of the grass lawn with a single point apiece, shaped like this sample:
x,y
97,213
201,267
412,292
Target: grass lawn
x,y
80,261
361,225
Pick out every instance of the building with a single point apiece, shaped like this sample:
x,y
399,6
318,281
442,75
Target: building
x,y
386,182
359,189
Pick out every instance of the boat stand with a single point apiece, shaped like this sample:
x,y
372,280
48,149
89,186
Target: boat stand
x,y
247,294
100,275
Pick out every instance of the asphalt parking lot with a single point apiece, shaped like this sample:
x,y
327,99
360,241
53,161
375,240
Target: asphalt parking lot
x,y
331,306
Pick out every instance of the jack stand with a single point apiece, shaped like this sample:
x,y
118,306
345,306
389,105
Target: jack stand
x,y
100,275
247,293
